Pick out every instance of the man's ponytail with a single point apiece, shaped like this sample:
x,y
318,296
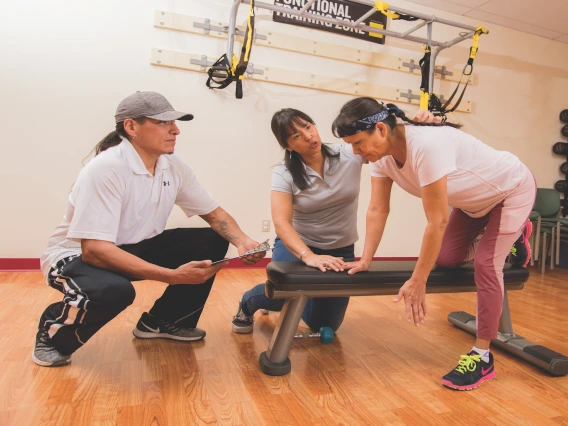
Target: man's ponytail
x,y
113,138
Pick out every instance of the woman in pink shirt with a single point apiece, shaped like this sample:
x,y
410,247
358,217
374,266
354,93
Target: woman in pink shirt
x,y
491,192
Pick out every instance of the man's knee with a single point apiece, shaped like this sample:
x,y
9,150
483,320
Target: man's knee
x,y
104,288
117,293
218,245
216,239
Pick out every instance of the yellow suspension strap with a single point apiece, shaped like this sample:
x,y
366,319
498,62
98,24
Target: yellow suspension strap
x,y
467,71
223,73
240,69
425,83
382,7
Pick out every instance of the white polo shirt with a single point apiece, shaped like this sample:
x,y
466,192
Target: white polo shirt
x,y
325,214
116,199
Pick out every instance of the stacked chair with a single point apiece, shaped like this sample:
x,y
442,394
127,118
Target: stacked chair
x,y
548,228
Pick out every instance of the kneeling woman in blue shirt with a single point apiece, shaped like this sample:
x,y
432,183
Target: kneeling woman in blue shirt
x,y
314,199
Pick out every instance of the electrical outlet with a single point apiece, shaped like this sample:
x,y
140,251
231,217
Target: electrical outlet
x,y
265,226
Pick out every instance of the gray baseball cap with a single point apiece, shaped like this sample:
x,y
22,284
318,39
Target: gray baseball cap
x,y
148,104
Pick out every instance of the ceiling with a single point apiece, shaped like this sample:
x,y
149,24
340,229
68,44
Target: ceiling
x,y
546,18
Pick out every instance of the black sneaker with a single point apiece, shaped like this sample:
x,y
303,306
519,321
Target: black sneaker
x,y
470,372
242,323
45,354
151,327
521,250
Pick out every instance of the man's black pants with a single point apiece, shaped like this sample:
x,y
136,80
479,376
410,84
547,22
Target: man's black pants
x,y
94,296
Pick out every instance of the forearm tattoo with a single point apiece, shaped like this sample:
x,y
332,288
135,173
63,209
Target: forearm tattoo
x,y
223,230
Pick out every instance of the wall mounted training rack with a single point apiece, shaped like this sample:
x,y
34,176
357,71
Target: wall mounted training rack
x,y
426,20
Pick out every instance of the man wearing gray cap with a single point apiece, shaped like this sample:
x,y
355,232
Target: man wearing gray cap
x,y
113,232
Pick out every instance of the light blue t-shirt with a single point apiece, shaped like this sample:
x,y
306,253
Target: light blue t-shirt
x,y
325,214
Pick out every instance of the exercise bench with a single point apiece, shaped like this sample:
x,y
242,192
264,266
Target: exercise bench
x,y
296,282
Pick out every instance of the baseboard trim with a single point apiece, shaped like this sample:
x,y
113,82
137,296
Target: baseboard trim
x,y
14,264
21,264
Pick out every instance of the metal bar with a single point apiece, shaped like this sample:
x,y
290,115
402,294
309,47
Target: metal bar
x,y
537,239
552,245
390,290
304,13
430,18
543,255
203,62
285,330
417,27
531,243
557,243
458,39
313,16
307,6
423,16
365,16
231,31
433,67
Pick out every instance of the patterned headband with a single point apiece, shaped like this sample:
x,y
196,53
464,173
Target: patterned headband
x,y
368,122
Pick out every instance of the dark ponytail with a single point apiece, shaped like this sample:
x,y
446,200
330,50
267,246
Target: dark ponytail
x,y
359,108
284,124
113,138
400,114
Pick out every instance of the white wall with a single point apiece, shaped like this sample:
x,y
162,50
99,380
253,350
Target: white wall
x,y
65,65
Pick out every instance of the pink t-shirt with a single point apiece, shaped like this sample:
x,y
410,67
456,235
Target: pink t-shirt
x,y
479,177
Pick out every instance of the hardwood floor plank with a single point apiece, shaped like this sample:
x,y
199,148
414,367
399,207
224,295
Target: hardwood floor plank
x,y
105,404
62,392
154,404
130,415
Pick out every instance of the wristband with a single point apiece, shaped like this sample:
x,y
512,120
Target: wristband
x,y
302,253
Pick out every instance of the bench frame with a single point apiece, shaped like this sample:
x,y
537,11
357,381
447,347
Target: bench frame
x,y
275,361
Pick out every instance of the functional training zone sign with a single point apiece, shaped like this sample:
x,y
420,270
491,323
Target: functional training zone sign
x,y
340,9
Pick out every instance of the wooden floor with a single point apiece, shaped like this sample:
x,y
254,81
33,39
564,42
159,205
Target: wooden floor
x,y
379,369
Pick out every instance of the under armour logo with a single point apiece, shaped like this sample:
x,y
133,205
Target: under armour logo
x,y
167,183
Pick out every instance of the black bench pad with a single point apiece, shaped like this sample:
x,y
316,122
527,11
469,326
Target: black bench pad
x,y
295,276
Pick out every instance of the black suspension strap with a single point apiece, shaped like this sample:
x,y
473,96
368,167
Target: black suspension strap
x,y
435,105
224,72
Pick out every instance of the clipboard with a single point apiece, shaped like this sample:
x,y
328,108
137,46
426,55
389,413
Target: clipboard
x,y
262,248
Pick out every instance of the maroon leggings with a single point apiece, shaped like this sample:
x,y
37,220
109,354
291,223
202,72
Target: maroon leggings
x,y
503,226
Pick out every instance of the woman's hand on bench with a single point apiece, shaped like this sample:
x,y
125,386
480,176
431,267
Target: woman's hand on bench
x,y
357,266
324,262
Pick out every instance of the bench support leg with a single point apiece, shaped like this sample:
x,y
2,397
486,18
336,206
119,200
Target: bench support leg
x,y
542,357
275,361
